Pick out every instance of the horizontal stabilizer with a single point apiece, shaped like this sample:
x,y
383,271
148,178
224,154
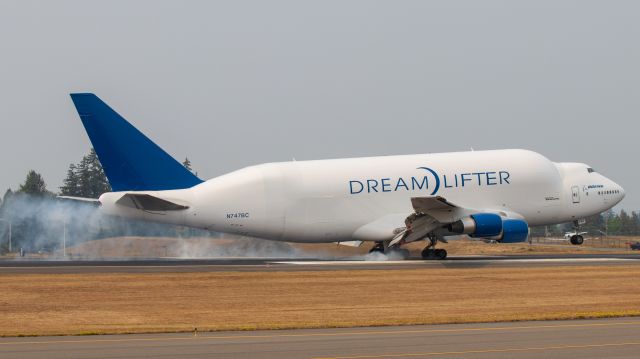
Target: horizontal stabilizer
x,y
90,201
349,243
146,202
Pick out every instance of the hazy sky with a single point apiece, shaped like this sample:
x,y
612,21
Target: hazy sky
x,y
236,83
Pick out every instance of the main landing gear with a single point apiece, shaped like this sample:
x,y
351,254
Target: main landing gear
x,y
380,247
429,252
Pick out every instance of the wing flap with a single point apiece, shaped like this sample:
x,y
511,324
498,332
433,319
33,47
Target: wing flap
x,y
426,204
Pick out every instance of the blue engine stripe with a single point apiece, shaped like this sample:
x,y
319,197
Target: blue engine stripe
x,y
487,225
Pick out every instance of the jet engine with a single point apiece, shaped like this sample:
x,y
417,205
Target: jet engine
x,y
492,226
478,225
514,231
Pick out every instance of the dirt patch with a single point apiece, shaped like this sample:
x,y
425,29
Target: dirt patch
x,y
35,304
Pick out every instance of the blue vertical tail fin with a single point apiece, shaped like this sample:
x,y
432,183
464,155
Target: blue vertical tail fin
x,y
131,161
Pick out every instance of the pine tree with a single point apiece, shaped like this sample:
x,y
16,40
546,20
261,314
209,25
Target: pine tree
x,y
6,201
594,224
612,223
98,183
86,179
625,223
187,164
70,183
635,219
34,185
7,196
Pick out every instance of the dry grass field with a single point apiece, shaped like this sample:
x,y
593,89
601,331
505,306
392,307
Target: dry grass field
x,y
37,304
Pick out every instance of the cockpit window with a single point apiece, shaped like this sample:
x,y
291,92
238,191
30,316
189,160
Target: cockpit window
x,y
590,170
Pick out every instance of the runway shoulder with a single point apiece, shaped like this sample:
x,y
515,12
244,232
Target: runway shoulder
x,y
558,339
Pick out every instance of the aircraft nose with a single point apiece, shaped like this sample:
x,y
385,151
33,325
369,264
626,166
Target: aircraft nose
x,y
618,192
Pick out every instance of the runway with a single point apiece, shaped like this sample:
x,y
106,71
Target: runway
x,y
173,265
610,338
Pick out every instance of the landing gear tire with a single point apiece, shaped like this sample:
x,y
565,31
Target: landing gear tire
x,y
430,253
576,240
377,248
440,253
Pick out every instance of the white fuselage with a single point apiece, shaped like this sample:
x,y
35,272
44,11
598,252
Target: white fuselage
x,y
330,200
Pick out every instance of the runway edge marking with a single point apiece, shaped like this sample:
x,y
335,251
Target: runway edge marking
x,y
407,262
480,351
302,335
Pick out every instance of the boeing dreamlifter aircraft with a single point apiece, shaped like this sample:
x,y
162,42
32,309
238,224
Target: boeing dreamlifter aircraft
x,y
389,200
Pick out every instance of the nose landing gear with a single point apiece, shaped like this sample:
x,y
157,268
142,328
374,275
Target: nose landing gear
x,y
576,240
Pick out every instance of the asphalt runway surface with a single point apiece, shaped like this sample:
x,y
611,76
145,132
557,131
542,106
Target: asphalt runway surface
x,y
171,265
605,338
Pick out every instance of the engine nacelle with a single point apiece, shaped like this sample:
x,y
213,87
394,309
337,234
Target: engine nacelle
x,y
514,231
481,225
489,225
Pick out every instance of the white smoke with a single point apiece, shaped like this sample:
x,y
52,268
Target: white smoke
x,y
41,226
381,257
46,224
241,247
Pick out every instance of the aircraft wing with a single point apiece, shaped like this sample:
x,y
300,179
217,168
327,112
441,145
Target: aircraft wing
x,y
430,213
434,214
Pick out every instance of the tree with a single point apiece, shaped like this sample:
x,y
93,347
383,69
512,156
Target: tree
x,y
70,183
635,219
594,224
626,225
5,200
613,223
86,179
98,183
187,164
34,185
